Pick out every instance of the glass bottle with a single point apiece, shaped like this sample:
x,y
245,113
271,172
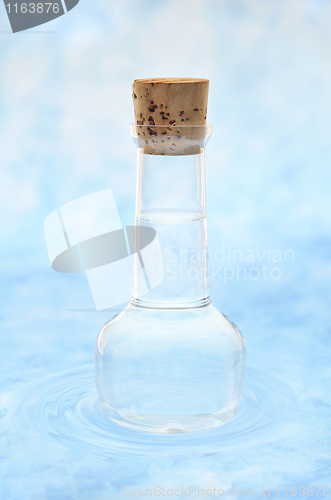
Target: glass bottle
x,y
170,362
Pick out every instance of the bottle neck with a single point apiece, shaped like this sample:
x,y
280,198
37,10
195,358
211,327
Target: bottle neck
x,y
171,272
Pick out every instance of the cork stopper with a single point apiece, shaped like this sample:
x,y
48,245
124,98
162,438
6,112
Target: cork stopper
x,y
168,107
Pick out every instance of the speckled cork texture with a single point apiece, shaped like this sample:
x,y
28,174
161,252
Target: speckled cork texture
x,y
165,109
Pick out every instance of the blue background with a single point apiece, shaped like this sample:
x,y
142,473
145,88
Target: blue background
x,y
65,109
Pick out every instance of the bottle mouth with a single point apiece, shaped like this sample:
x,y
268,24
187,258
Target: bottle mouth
x,y
170,140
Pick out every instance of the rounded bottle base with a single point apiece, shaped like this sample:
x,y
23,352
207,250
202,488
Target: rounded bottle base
x,y
170,370
170,424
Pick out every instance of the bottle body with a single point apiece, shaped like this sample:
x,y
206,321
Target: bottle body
x,y
170,362
170,370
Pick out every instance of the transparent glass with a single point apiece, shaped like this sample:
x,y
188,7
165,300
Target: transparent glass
x,y
171,362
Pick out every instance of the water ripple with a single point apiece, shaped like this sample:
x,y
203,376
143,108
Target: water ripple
x,y
66,408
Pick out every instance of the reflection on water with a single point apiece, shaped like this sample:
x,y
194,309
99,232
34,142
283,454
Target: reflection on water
x,y
66,409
